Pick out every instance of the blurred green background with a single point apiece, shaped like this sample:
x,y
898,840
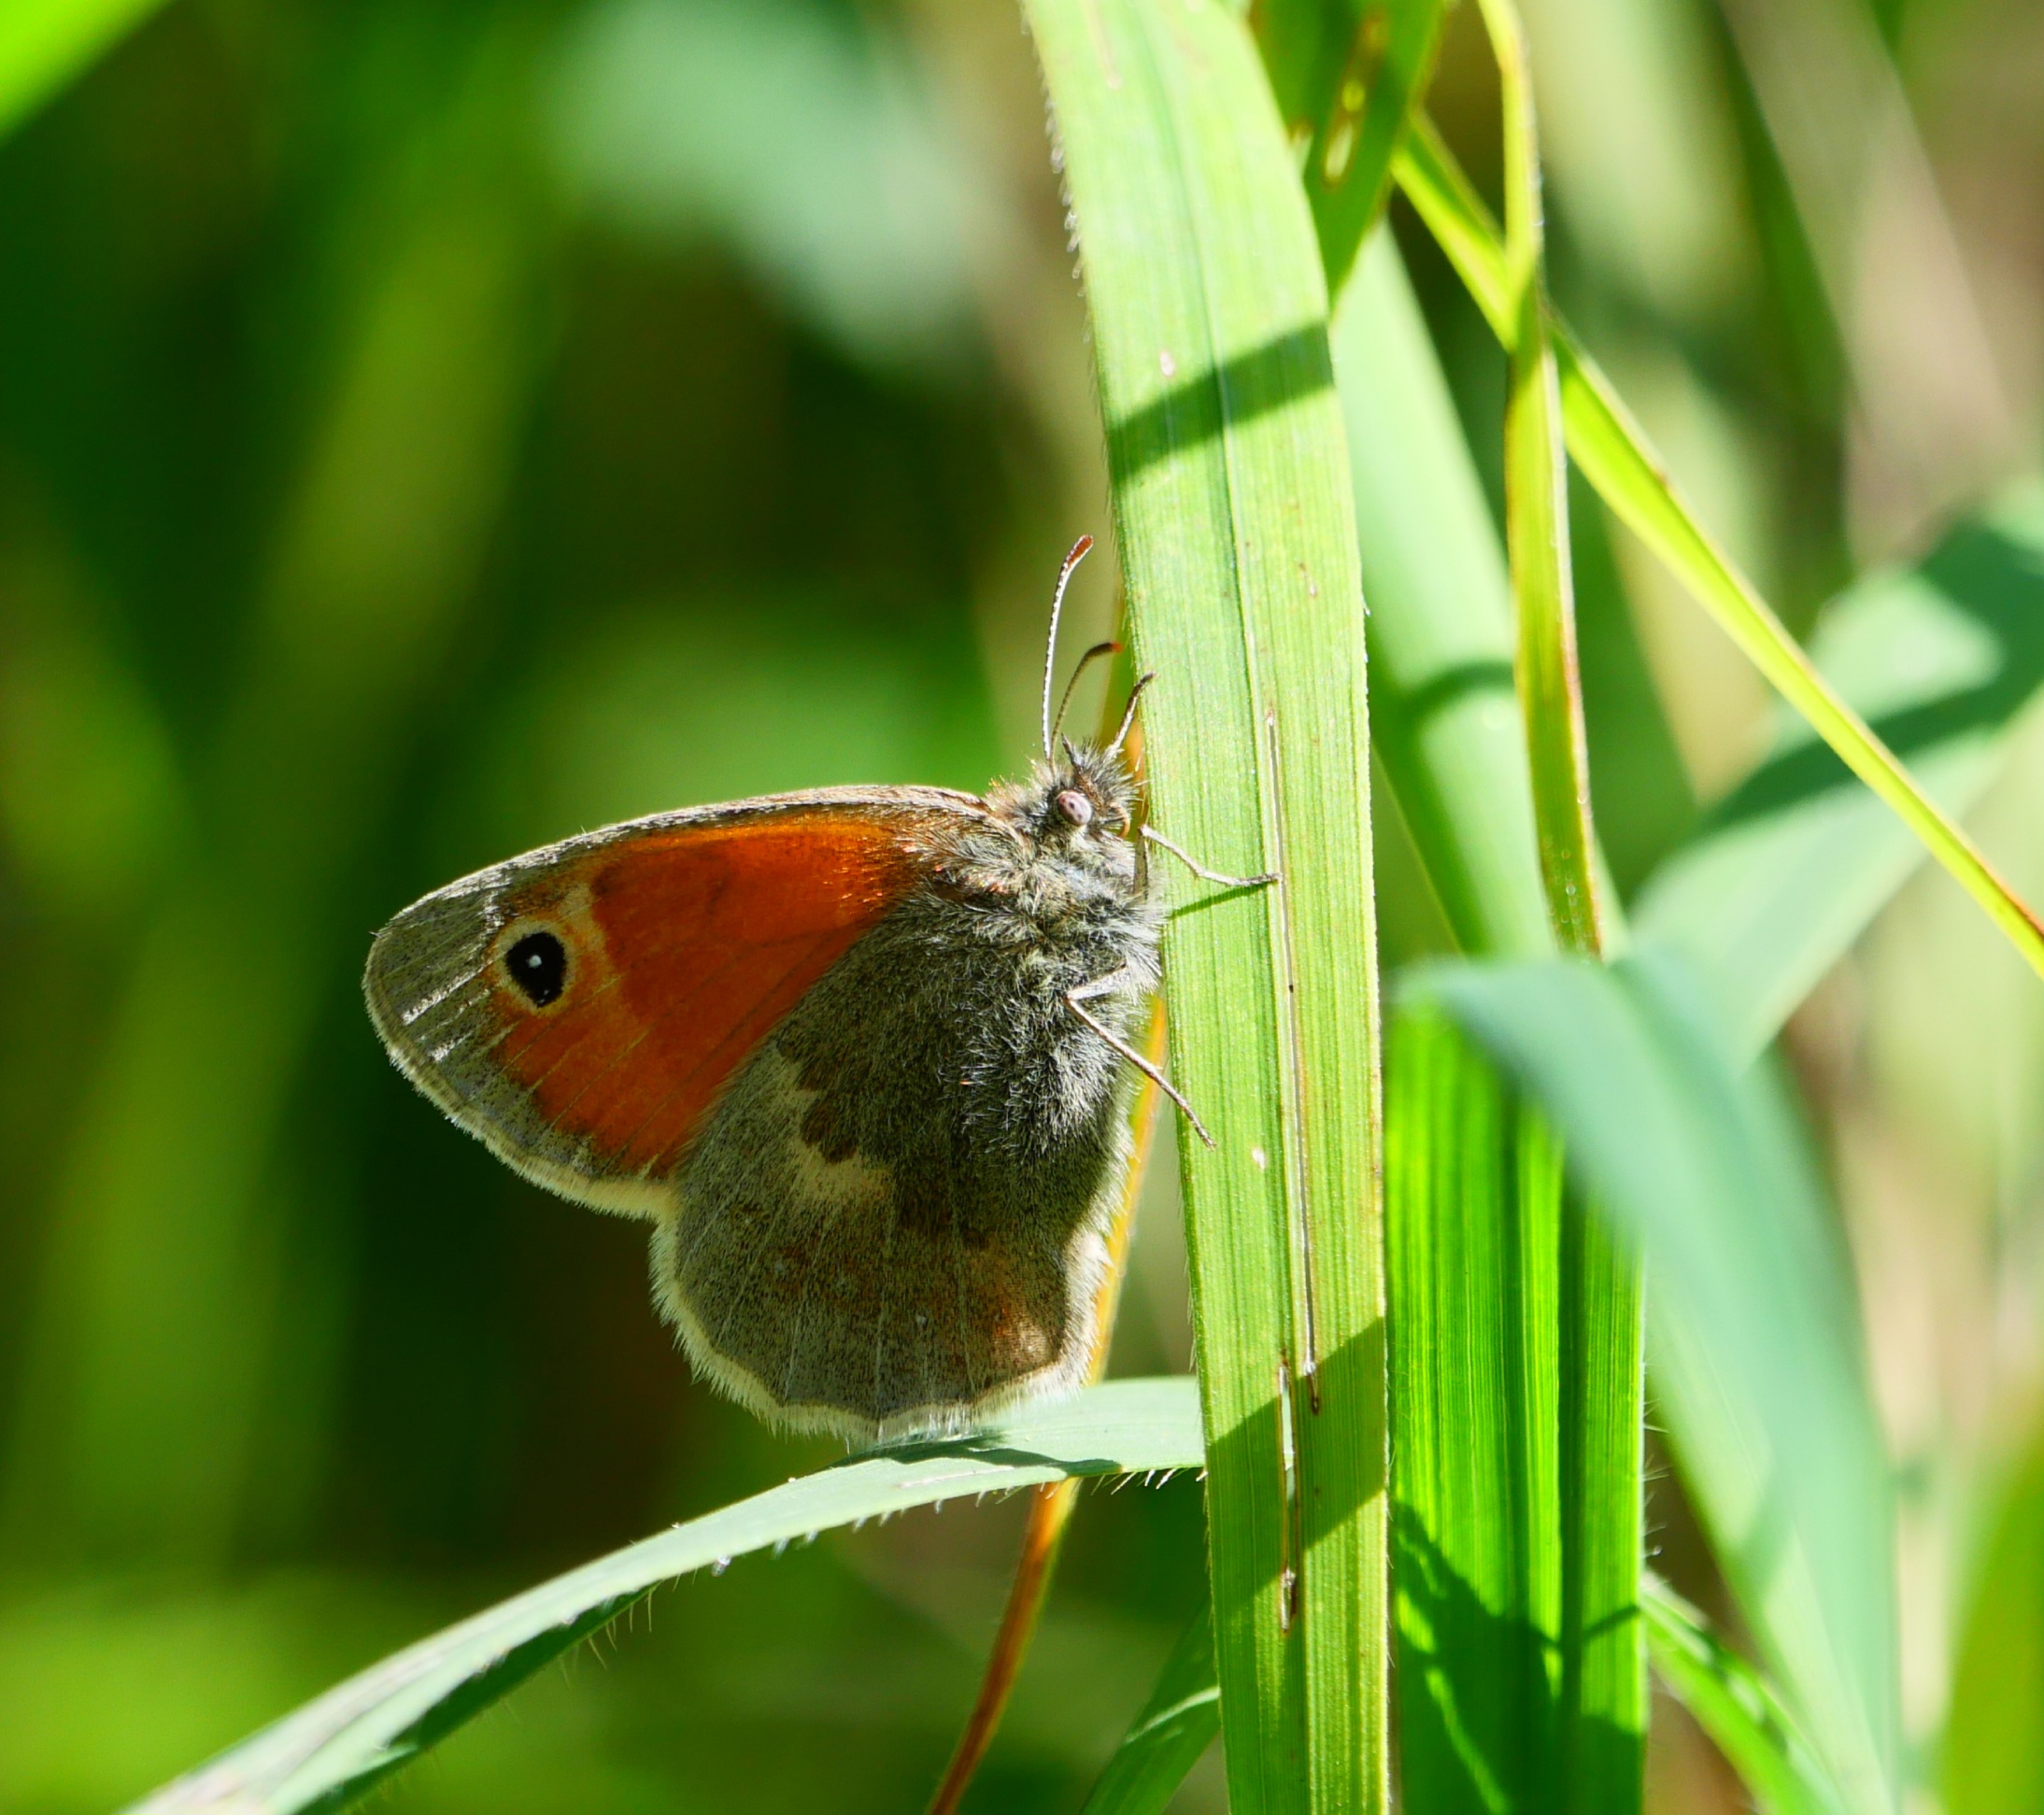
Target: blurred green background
x,y
431,427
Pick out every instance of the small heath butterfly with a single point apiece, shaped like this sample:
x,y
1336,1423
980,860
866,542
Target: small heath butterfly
x,y
861,1055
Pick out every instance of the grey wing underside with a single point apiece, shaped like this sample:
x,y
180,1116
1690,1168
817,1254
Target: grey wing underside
x,y
835,1295
857,1244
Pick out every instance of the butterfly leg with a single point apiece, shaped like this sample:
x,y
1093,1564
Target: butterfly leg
x,y
1200,870
1115,981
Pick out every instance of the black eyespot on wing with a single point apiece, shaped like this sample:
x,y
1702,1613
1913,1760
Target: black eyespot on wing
x,y
538,964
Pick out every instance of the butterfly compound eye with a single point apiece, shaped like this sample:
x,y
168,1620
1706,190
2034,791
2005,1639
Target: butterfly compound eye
x,y
538,964
1075,807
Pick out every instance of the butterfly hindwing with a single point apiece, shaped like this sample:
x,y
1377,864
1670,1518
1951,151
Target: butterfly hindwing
x,y
867,1236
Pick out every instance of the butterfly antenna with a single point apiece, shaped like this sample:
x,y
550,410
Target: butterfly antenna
x,y
1092,655
1128,717
1078,554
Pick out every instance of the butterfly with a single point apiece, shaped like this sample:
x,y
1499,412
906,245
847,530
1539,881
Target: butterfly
x,y
861,1054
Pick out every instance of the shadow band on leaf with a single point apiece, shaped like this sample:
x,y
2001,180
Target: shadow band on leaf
x,y
1266,379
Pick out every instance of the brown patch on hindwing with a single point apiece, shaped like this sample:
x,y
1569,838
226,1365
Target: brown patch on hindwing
x,y
827,1293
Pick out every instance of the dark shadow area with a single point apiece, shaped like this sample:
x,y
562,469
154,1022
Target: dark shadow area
x,y
1446,688
1267,378
1216,896
1476,1741
1352,1374
978,1447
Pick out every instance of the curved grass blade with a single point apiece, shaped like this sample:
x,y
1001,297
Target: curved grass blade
x,y
1944,659
1167,1738
1753,1332
1537,523
1735,1705
1615,457
1238,545
333,1749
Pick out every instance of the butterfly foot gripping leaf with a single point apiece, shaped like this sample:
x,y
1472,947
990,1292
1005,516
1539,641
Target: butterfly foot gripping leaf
x,y
857,1053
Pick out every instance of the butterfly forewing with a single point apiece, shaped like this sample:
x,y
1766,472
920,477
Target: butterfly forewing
x,y
580,1008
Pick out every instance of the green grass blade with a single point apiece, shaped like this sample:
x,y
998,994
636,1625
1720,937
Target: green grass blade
x,y
1442,709
1615,457
1597,1753
1993,1743
1487,1542
1460,221
1735,1705
1474,1214
1238,546
1944,659
1348,76
1754,1333
1604,1695
1473,1225
1537,523
336,1747
1167,1738
45,43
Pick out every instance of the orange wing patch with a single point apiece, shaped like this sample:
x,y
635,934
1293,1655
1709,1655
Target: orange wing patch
x,y
579,1008
684,949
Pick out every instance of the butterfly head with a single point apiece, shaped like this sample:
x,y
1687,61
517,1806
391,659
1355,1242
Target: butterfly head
x,y
1079,802
1084,801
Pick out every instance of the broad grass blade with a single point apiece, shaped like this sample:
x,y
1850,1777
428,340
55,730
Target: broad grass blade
x,y
1753,1328
332,1749
1474,1200
1238,545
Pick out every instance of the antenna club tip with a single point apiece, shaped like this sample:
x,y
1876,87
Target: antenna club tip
x,y
1080,549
